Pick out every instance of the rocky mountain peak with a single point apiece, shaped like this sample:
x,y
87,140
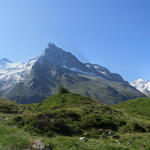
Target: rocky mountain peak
x,y
58,57
51,45
55,55
52,49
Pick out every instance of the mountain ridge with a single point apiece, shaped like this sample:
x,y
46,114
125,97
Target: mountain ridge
x,y
41,77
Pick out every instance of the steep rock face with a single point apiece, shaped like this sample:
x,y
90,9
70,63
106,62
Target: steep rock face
x,y
42,77
142,86
59,57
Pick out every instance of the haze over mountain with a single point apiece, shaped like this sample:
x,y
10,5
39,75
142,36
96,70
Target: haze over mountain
x,y
41,77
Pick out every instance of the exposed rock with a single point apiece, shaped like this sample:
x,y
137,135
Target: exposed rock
x,y
129,143
84,139
100,130
40,145
117,141
109,132
3,118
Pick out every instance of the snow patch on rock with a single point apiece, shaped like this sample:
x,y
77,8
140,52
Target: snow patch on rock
x,y
78,70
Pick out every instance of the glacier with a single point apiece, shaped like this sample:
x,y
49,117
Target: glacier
x,y
12,73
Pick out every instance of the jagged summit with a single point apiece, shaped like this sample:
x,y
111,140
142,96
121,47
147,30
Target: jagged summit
x,y
52,48
60,57
51,45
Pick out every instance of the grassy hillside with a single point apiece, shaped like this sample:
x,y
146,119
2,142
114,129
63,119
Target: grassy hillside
x,y
17,139
139,107
60,120
71,114
11,107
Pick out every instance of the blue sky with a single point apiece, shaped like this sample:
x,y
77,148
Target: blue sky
x,y
112,33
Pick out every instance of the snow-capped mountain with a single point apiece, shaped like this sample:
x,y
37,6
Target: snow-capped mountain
x,y
12,73
40,77
142,86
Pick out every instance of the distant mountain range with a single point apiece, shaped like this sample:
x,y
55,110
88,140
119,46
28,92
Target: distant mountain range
x,y
142,86
40,77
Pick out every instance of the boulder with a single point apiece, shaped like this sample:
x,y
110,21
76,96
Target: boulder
x,y
40,145
84,139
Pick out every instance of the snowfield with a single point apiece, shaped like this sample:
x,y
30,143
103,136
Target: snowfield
x,y
12,73
142,86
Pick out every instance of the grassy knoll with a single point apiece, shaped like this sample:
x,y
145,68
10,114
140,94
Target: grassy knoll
x,y
60,120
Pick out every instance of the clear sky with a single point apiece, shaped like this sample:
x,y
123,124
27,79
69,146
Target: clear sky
x,y
112,33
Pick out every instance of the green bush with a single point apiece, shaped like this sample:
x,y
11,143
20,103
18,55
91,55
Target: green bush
x,y
62,90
